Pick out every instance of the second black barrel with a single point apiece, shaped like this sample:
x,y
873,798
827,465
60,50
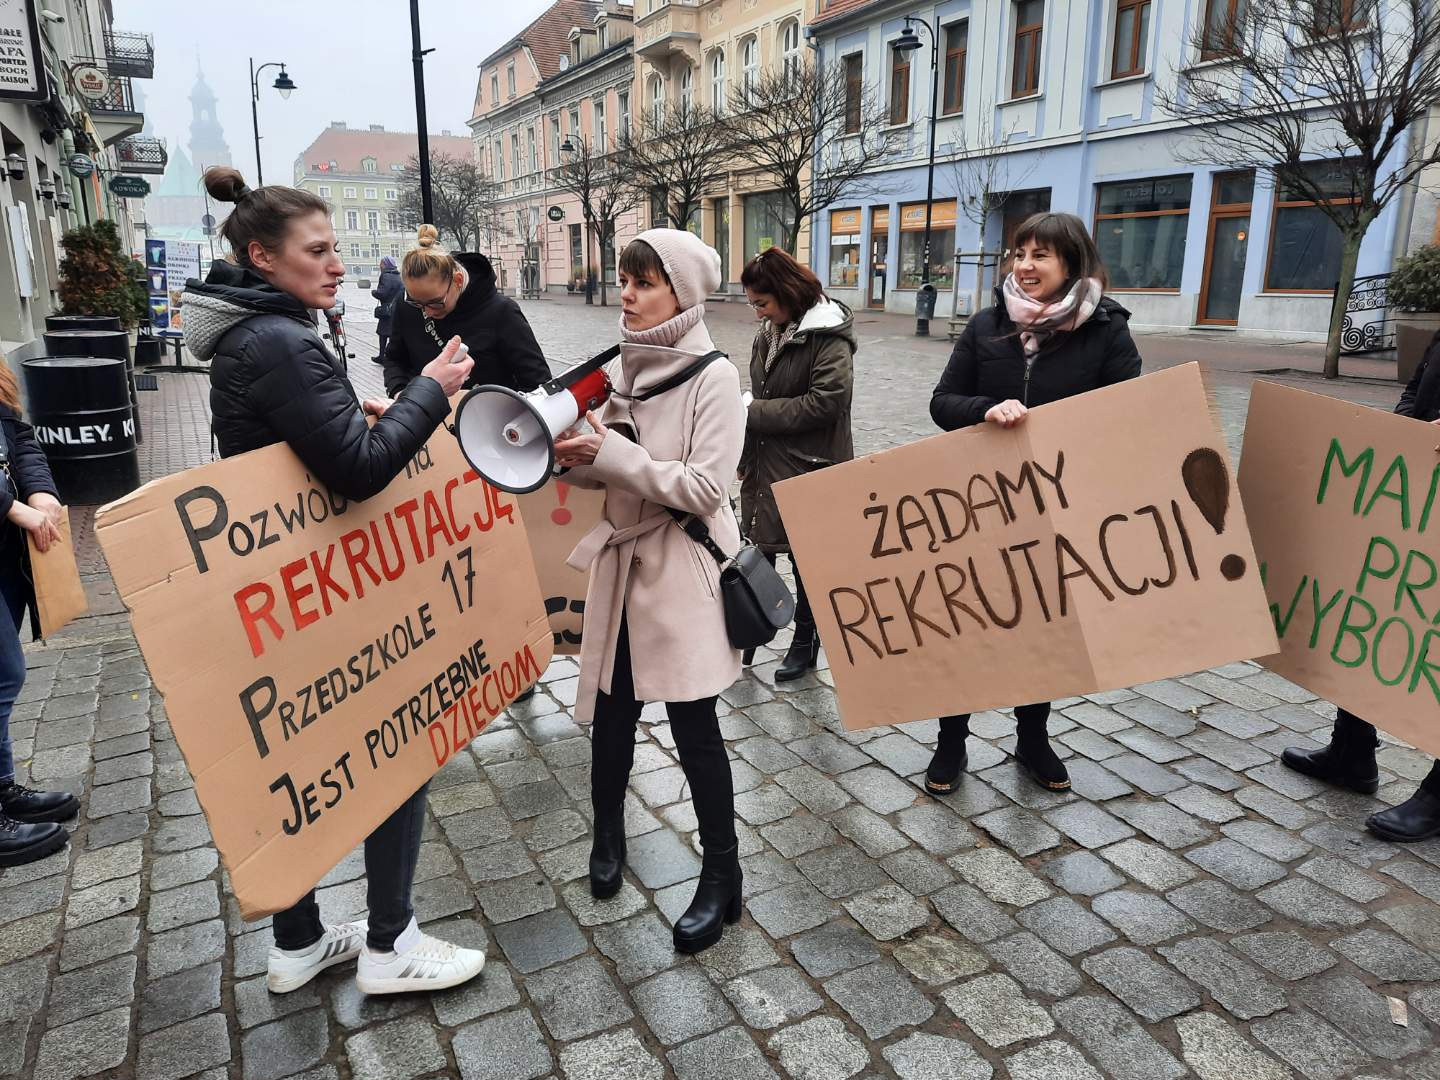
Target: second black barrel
x,y
80,409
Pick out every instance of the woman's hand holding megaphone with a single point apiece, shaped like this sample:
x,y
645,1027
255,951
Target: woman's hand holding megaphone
x,y
572,448
452,367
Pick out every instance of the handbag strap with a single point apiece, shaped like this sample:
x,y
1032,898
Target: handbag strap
x,y
684,375
698,531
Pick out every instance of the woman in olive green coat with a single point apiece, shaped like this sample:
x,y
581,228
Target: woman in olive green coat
x,y
801,378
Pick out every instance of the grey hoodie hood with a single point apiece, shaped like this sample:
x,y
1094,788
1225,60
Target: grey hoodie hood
x,y
228,296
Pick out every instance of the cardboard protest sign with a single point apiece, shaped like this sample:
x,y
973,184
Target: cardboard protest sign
x,y
321,659
59,592
1342,504
557,516
1098,544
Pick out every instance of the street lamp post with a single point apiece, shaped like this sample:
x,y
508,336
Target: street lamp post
x,y
568,147
284,84
907,42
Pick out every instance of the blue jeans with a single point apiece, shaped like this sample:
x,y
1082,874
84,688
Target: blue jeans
x,y
15,592
391,852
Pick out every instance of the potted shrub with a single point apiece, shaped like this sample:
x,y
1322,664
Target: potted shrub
x,y
1414,294
97,278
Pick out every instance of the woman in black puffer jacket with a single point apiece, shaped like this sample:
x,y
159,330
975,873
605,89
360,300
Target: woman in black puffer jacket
x,y
272,380
1051,334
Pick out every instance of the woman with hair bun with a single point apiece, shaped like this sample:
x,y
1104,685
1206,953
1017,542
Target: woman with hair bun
x,y
454,295
272,380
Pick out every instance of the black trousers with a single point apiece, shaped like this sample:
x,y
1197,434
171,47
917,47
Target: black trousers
x,y
384,340
1350,726
804,619
391,852
697,738
958,726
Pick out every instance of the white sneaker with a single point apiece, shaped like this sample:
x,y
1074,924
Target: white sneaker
x,y
290,969
419,962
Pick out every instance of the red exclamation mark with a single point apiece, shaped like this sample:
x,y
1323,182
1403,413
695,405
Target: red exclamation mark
x,y
561,516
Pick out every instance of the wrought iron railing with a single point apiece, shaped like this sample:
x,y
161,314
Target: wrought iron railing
x,y
1369,325
130,54
119,98
142,153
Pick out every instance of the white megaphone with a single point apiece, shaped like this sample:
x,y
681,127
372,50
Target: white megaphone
x,y
509,437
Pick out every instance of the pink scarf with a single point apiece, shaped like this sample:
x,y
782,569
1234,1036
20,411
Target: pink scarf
x,y
667,333
1037,321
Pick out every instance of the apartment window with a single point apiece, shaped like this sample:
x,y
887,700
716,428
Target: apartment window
x,y
575,126
602,134
494,88
499,160
354,251
1140,228
375,251
534,154
604,37
622,107
790,50
391,195
1029,25
1305,245
349,193
845,248
1336,16
1222,18
899,86
372,193
687,90
323,191
372,220
555,139
395,250
510,78
749,66
854,88
515,161
657,100
352,220
368,165
957,40
392,221
717,80
942,245
1132,28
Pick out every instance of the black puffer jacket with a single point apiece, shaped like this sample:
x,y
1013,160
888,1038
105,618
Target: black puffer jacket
x,y
387,290
30,472
272,380
1421,398
491,323
987,365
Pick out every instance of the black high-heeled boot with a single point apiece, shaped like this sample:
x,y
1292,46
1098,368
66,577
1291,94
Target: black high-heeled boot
x,y
607,854
802,656
1033,749
950,755
1347,760
717,902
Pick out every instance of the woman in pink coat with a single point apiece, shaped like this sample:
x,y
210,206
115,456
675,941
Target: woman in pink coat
x,y
654,624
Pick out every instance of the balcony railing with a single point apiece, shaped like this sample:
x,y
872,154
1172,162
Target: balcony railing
x,y
130,54
119,98
142,154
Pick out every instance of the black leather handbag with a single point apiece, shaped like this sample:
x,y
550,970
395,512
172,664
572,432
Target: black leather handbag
x,y
757,603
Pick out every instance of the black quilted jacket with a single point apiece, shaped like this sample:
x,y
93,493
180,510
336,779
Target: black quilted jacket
x,y
272,380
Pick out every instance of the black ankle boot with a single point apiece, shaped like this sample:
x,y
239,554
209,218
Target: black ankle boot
x,y
1347,761
1417,818
1034,752
24,805
747,657
802,656
948,762
717,902
22,842
607,854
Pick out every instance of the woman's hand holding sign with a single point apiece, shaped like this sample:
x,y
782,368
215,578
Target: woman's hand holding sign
x,y
1007,414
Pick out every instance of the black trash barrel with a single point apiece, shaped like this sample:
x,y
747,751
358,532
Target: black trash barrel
x,y
80,409
83,322
91,342
148,351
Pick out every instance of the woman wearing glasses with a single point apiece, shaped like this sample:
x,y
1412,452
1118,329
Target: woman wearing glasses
x,y
455,296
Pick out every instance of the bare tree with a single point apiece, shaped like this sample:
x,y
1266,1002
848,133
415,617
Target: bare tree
x,y
817,135
1297,82
461,194
602,184
984,179
684,154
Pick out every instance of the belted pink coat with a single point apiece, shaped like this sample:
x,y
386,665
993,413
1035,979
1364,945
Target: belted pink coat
x,y
679,449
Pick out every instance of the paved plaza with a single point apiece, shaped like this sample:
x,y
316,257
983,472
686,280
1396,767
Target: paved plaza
x,y
1190,909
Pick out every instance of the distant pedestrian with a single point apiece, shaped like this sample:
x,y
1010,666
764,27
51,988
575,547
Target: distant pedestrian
x,y
385,291
449,295
654,619
802,377
29,504
1051,334
272,381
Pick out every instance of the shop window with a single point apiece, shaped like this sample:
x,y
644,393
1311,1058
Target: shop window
x,y
845,249
942,245
1305,245
768,220
1140,229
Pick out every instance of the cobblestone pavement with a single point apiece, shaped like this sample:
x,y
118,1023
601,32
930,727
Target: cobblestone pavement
x,y
1191,909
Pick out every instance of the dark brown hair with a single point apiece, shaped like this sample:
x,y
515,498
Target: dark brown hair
x,y
1067,236
262,215
776,272
639,259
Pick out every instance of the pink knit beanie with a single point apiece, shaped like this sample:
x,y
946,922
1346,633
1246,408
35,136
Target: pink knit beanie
x,y
693,265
